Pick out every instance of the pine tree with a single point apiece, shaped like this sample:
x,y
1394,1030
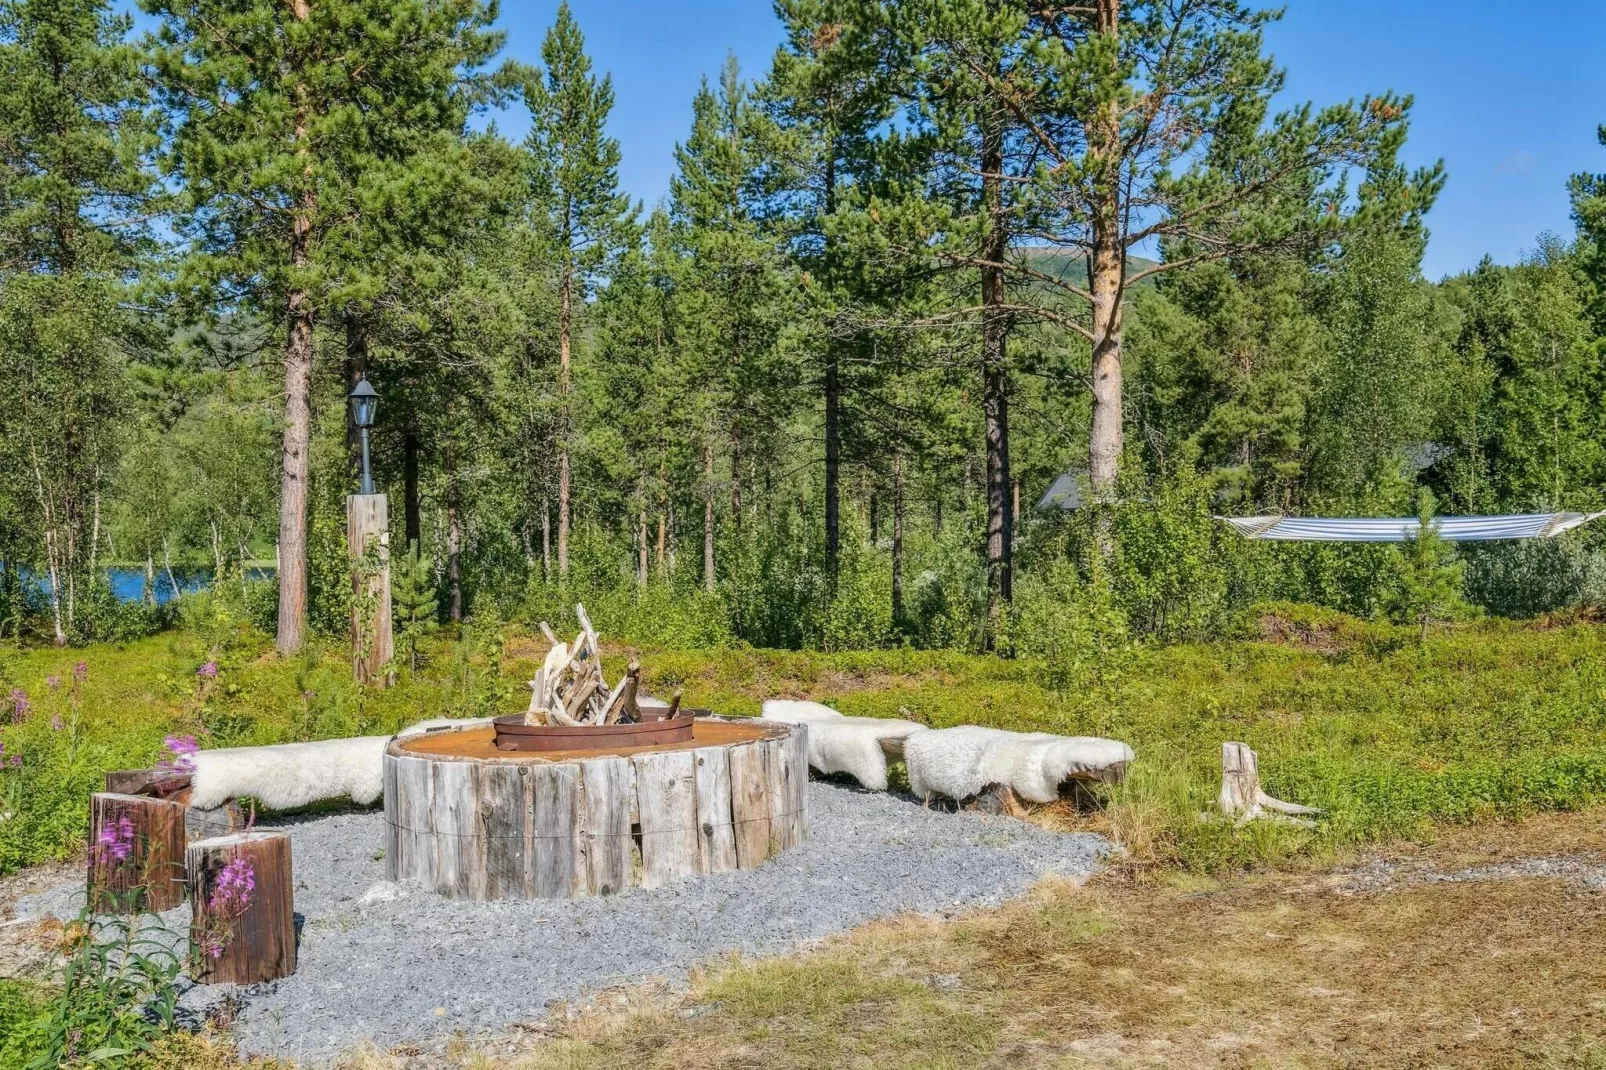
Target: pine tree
x,y
574,174
732,296
1151,123
292,123
76,187
827,93
412,594
1430,575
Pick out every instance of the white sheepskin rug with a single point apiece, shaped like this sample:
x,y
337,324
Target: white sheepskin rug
x,y
857,746
288,776
962,762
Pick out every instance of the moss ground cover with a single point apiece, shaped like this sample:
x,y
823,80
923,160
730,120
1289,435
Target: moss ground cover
x,y
1389,736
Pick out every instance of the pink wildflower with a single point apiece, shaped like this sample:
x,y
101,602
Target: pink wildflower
x,y
52,682
181,747
80,671
19,705
56,723
207,671
16,761
231,897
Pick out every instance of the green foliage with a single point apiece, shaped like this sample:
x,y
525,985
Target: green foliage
x,y
412,598
1430,576
115,995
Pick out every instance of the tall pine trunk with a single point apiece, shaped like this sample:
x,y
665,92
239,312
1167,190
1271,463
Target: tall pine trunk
x,y
454,544
897,539
708,519
641,534
546,537
833,400
995,378
565,326
297,396
1106,275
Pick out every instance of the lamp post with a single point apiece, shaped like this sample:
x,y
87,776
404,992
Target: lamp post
x,y
368,539
364,404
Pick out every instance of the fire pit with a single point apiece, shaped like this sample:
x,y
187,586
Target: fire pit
x,y
470,821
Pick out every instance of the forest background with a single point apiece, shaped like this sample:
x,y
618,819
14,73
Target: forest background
x,y
815,397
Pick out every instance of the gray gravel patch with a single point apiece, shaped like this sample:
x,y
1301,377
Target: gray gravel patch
x,y
390,964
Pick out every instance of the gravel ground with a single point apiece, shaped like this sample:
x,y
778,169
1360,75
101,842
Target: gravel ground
x,y
1384,876
384,963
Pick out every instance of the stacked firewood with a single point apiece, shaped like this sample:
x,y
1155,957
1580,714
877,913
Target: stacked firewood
x,y
569,688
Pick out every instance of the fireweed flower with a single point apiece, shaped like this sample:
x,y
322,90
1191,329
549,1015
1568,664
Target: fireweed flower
x,y
56,723
52,682
15,762
181,747
19,705
207,671
115,842
80,671
230,898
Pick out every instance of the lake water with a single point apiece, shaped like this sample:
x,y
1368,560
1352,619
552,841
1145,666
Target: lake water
x,y
128,584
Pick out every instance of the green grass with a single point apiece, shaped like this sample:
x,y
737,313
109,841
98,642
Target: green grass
x,y
1488,720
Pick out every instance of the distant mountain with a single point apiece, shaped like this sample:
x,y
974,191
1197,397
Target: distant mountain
x,y
1072,267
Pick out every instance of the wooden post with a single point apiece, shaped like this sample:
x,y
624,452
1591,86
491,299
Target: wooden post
x,y
368,527
136,853
258,942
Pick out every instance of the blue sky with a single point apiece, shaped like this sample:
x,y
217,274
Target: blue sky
x,y
1509,96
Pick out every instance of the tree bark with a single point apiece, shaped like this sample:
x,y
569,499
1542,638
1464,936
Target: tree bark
x,y
454,544
641,535
565,325
897,539
995,378
1106,279
297,396
708,519
736,474
410,503
833,402
546,538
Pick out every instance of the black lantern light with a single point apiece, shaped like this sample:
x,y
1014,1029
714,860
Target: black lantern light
x,y
364,404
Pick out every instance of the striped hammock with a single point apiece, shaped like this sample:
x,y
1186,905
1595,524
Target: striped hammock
x,y
1404,528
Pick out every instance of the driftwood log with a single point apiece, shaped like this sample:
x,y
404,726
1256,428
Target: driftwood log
x,y
260,943
1241,797
494,828
148,835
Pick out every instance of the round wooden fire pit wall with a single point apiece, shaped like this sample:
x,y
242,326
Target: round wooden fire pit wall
x,y
472,822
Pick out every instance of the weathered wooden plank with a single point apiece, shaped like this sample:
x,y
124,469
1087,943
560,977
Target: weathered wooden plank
x,y
257,943
716,836
391,806
777,770
666,789
459,845
750,804
505,819
415,820
555,806
800,784
607,846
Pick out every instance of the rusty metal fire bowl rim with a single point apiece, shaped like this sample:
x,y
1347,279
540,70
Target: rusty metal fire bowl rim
x,y
513,735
